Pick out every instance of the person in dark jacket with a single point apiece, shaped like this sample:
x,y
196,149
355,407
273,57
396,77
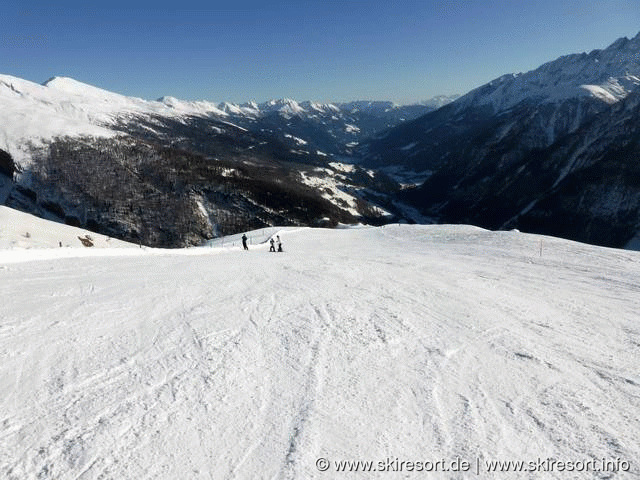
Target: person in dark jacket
x,y
272,248
244,242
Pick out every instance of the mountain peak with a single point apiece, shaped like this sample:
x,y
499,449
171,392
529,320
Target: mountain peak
x,y
285,106
608,75
61,83
619,43
74,87
50,80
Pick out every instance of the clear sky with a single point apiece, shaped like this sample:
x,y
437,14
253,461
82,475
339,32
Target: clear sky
x,y
326,50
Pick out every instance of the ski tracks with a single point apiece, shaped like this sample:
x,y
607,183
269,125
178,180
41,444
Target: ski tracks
x,y
100,425
255,366
313,370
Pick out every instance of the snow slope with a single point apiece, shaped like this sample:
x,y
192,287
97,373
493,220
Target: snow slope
x,y
19,230
409,342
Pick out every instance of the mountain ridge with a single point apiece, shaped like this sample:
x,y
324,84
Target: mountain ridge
x,y
509,154
71,107
566,77
492,154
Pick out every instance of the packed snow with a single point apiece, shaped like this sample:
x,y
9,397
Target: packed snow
x,y
415,343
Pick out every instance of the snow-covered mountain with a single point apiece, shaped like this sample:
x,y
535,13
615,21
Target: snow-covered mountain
x,y
493,153
63,106
173,172
332,128
415,343
553,99
33,113
439,101
608,75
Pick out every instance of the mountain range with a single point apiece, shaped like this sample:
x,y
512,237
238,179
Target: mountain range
x,y
173,173
62,106
554,151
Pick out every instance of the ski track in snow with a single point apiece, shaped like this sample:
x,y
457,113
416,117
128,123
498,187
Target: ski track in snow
x,y
413,342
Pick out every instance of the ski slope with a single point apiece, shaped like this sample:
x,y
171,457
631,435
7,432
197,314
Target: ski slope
x,y
415,343
20,230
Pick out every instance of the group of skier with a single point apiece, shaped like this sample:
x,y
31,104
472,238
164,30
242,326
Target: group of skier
x,y
272,242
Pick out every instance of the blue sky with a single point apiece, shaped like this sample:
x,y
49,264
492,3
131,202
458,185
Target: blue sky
x,y
320,50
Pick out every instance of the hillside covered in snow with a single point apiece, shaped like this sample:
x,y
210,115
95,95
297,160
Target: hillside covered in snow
x,y
398,343
19,230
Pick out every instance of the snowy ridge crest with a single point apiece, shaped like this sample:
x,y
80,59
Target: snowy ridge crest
x,y
608,75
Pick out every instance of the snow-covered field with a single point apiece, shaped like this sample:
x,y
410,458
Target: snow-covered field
x,y
407,343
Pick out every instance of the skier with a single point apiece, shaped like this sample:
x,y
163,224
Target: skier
x,y
279,243
272,248
244,242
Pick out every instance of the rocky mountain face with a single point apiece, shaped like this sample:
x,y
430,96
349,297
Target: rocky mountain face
x,y
596,197
551,150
